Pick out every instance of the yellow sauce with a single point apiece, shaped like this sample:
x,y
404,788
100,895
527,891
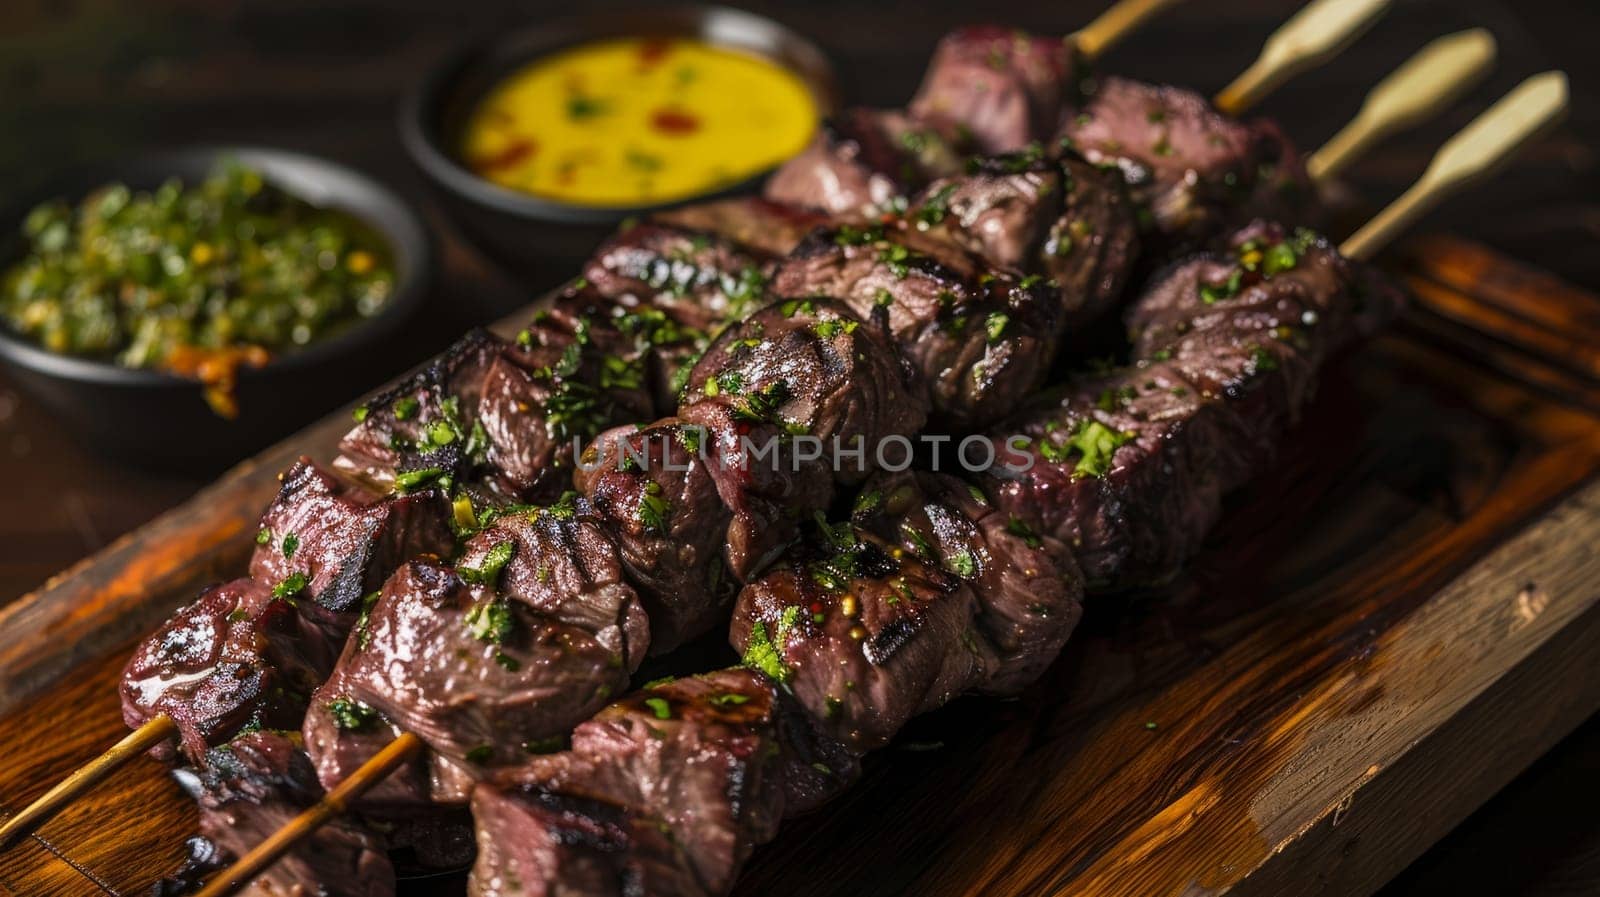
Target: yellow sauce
x,y
637,121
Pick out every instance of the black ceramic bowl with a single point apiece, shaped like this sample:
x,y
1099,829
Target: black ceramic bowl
x,y
543,236
158,419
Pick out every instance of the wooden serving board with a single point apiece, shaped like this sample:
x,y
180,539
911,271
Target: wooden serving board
x,y
1387,627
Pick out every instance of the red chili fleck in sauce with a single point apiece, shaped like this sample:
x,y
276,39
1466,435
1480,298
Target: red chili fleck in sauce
x,y
674,122
651,52
515,153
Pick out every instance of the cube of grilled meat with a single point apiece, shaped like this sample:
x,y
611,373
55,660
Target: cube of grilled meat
x,y
865,162
1004,87
1028,587
563,562
341,733
339,541
1000,209
1063,218
1283,188
1130,468
507,415
810,366
728,477
697,277
665,792
1194,169
420,809
536,843
239,655
475,675
252,786
393,434
864,634
654,490
979,338
751,222
782,393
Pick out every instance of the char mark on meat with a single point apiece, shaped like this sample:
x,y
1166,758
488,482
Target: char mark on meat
x,y
800,369
237,656
251,787
664,792
503,418
656,495
978,339
711,496
698,278
341,540
1028,588
1065,219
864,634
392,436
1003,87
1130,468
865,162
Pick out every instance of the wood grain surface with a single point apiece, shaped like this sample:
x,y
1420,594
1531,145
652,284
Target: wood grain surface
x,y
1390,625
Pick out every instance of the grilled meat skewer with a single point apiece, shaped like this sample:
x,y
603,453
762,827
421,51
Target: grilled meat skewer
x,y
250,651
1227,346
866,631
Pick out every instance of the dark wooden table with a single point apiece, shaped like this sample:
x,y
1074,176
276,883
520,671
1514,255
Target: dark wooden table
x,y
83,78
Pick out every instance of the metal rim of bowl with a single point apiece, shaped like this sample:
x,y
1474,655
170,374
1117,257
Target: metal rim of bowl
x,y
420,109
396,221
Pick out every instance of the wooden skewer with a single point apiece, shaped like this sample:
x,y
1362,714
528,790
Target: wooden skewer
x,y
1476,152
1315,33
1429,81
87,776
1110,27
280,842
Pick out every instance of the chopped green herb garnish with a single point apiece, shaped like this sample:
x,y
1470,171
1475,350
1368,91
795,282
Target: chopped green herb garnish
x,y
289,586
1211,293
490,621
1278,259
263,536
833,327
412,480
487,571
766,655
1262,360
867,502
963,564
351,715
290,543
659,707
1095,443
406,408
363,636
995,325
654,510
1016,527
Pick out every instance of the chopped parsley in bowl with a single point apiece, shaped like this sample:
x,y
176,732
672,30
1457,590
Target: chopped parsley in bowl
x,y
195,280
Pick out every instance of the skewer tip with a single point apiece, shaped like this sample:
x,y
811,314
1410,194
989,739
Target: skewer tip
x,y
1477,151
